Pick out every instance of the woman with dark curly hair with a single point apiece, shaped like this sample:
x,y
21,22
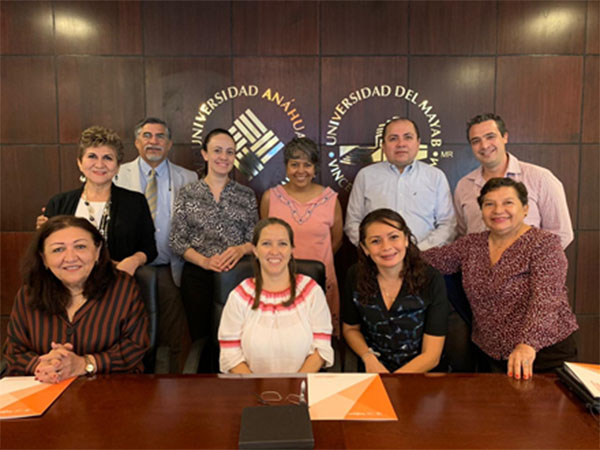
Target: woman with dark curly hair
x,y
395,307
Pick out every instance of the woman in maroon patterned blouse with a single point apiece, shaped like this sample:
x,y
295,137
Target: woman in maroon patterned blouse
x,y
76,314
514,277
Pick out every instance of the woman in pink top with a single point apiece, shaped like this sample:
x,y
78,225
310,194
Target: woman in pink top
x,y
313,211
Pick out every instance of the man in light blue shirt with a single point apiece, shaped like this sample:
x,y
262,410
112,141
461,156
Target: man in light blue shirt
x,y
419,192
153,142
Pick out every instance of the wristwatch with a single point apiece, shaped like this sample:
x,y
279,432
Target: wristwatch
x,y
89,365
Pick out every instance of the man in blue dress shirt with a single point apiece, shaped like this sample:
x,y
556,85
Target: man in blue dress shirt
x,y
419,192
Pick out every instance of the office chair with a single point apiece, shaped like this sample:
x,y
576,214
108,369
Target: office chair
x,y
147,280
459,352
223,284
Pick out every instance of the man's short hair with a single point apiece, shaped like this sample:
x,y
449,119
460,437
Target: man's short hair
x,y
400,119
484,118
147,120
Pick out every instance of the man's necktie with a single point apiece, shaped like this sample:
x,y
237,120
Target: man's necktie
x,y
151,194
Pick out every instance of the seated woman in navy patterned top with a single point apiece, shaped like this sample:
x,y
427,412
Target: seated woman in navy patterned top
x,y
211,229
514,276
395,310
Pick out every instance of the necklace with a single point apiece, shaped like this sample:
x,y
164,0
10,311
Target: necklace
x,y
104,219
388,296
297,216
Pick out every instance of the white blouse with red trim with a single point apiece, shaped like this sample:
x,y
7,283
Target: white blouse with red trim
x,y
274,338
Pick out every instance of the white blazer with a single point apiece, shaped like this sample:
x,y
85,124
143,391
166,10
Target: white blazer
x,y
129,178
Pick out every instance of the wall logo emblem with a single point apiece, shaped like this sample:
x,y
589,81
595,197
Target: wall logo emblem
x,y
255,142
343,157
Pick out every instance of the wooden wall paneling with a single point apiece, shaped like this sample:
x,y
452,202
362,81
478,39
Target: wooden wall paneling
x,y
449,28
99,91
187,28
69,170
364,28
275,28
176,87
341,77
458,88
28,100
12,248
561,160
541,27
286,103
592,41
187,156
98,27
588,268
539,98
29,173
589,188
591,100
26,28
588,339
458,162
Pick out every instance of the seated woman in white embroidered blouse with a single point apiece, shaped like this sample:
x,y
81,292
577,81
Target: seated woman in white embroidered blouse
x,y
211,229
313,211
278,321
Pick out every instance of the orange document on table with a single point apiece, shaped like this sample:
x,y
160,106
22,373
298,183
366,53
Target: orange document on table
x,y
587,375
26,397
348,396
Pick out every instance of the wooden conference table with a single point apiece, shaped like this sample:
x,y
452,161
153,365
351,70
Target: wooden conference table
x,y
203,411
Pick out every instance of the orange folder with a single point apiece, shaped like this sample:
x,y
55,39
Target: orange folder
x,y
26,397
348,396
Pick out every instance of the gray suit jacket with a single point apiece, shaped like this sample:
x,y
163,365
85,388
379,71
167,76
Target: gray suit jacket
x,y
129,178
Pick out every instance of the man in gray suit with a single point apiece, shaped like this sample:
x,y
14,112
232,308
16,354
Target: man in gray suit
x,y
152,174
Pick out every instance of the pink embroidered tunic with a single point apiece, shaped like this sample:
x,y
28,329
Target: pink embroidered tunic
x,y
520,299
311,222
274,338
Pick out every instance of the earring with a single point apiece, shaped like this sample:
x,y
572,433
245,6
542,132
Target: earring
x,y
82,178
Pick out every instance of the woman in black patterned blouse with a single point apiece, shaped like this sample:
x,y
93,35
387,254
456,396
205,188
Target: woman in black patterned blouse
x,y
395,311
213,220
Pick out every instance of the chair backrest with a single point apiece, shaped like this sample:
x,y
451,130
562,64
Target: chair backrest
x,y
225,282
147,280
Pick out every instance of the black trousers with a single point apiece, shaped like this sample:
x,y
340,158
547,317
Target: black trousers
x,y
197,297
546,360
197,294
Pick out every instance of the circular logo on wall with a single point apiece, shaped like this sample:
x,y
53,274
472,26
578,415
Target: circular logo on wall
x,y
345,160
256,142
